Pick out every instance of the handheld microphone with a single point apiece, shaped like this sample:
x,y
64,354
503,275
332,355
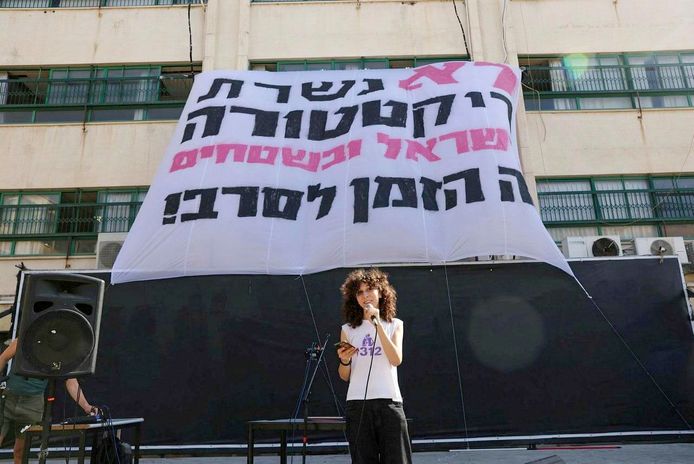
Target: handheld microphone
x,y
374,318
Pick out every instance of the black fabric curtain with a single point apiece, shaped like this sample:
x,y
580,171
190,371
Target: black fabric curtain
x,y
520,350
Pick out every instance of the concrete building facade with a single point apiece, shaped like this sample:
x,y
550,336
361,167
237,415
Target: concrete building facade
x,y
90,91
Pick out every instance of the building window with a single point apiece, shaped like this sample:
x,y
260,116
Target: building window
x,y
104,85
63,223
119,209
363,63
94,94
626,206
580,82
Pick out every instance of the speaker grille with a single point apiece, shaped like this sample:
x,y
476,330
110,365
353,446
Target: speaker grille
x,y
58,342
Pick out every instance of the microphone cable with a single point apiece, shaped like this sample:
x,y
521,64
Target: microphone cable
x,y
366,389
110,436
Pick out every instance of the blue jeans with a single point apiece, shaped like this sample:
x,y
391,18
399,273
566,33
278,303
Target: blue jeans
x,y
377,432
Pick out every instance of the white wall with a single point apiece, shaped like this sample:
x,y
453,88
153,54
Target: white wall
x,y
598,26
67,36
48,156
336,29
610,142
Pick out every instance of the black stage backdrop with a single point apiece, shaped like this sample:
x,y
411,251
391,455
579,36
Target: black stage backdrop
x,y
198,357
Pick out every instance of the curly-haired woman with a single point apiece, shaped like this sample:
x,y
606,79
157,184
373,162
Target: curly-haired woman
x,y
376,424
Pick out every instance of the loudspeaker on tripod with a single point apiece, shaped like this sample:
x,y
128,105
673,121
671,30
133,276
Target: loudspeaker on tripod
x,y
59,321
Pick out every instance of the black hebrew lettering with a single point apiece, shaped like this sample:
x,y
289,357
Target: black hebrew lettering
x,y
293,128
373,85
506,186
327,196
408,191
217,84
430,187
206,208
509,107
213,121
319,119
361,199
265,124
371,114
506,190
445,103
476,99
173,202
473,187
272,200
248,199
311,93
282,91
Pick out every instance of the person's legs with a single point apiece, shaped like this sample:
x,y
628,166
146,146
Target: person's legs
x,y
3,432
9,403
22,411
7,430
394,440
18,449
5,422
361,432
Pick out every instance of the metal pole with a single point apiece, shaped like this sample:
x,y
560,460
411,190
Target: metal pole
x,y
47,419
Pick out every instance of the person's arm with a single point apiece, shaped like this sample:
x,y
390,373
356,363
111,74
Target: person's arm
x,y
345,355
8,354
392,346
75,390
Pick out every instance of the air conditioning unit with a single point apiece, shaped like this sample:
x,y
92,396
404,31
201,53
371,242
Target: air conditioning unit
x,y
661,246
689,247
591,247
108,246
505,257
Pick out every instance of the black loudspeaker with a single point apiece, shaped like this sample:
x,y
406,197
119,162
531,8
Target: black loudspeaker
x,y
59,322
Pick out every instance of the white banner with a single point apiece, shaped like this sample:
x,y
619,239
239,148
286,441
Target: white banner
x,y
299,172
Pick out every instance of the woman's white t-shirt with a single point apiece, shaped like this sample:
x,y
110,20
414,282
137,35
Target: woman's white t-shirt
x,y
383,381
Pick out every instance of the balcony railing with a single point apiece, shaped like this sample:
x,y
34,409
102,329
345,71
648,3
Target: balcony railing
x,y
61,229
605,87
91,3
28,100
23,221
617,206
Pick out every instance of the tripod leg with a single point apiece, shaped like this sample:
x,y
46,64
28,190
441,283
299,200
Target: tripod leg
x,y
46,423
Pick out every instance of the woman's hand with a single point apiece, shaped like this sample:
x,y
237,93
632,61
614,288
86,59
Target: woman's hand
x,y
345,353
370,312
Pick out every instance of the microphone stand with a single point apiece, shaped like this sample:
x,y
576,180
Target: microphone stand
x,y
313,353
46,423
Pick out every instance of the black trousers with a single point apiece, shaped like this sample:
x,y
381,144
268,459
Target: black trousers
x,y
377,432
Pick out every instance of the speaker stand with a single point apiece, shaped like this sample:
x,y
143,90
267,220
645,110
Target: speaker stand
x,y
47,419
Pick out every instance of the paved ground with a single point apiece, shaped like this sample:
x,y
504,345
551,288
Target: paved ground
x,y
631,454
